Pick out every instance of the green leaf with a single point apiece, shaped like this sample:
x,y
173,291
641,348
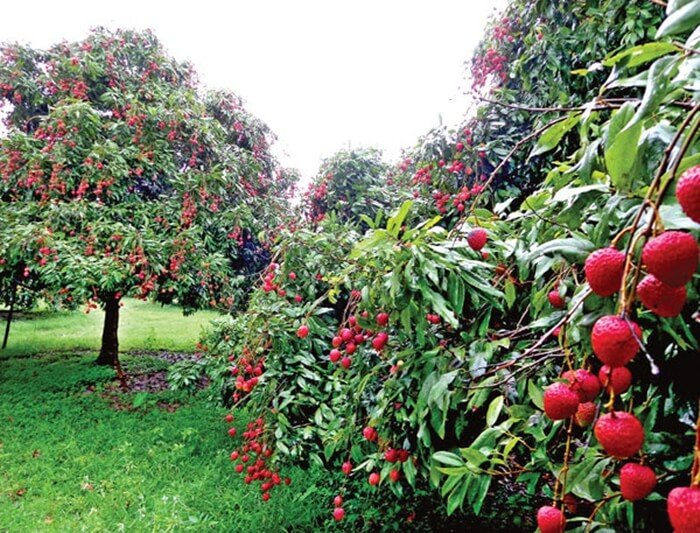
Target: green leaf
x,y
551,137
536,394
622,154
494,410
640,54
448,458
680,20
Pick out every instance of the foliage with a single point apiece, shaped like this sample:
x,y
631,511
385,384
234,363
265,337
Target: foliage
x,y
118,179
456,386
349,184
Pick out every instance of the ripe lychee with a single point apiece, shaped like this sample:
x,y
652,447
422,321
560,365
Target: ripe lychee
x,y
345,362
636,481
660,298
380,341
338,500
584,383
684,509
382,319
303,331
618,379
560,401
620,434
347,468
604,269
477,238
335,355
369,433
614,340
394,475
550,519
338,514
672,257
688,192
585,414
374,479
556,300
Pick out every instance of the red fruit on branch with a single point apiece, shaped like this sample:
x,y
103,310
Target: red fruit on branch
x,y
346,468
660,298
636,481
335,355
338,500
229,418
369,433
391,455
560,401
550,520
477,238
345,362
672,257
614,340
394,475
374,479
618,379
604,269
346,334
380,341
620,434
684,509
586,384
338,514
556,300
337,341
382,319
303,331
585,414
688,192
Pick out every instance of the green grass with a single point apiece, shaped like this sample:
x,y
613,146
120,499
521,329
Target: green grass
x,y
69,461
143,326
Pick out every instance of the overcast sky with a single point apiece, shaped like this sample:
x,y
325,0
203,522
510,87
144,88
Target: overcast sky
x,y
322,74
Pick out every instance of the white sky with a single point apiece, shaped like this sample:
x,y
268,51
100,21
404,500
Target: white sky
x,y
322,74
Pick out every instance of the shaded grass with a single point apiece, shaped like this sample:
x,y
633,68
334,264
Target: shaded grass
x,y
143,326
70,462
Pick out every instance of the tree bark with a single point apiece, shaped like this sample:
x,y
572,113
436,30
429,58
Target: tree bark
x,y
109,352
9,316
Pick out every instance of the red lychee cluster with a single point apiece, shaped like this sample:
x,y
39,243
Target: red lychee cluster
x,y
247,370
251,459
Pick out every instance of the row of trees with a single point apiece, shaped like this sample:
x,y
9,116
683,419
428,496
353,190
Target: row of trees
x,y
415,342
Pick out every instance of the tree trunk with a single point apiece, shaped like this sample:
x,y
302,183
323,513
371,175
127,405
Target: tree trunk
x,y
109,353
9,316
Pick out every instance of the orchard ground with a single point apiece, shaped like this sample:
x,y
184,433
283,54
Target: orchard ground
x,y
76,453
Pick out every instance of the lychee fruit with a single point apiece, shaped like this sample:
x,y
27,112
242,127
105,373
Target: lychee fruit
x,y
584,383
374,479
303,331
335,355
394,475
550,519
345,362
614,340
636,481
382,319
604,269
380,341
369,433
347,468
560,401
684,509
672,257
688,192
660,298
556,300
585,414
477,238
620,434
619,378
338,514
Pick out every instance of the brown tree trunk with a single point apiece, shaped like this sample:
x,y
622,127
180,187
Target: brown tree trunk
x,y
109,353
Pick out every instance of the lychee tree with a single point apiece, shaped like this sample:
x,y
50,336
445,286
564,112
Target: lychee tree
x,y
119,177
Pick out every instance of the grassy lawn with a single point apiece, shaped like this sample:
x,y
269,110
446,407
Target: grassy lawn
x,y
72,460
143,326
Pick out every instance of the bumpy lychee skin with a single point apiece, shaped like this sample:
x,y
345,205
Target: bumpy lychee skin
x,y
585,414
660,298
584,383
550,520
560,401
636,481
620,434
672,257
477,238
684,509
604,269
614,340
688,192
619,379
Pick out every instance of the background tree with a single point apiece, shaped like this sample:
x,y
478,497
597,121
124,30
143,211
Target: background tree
x,y
118,178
